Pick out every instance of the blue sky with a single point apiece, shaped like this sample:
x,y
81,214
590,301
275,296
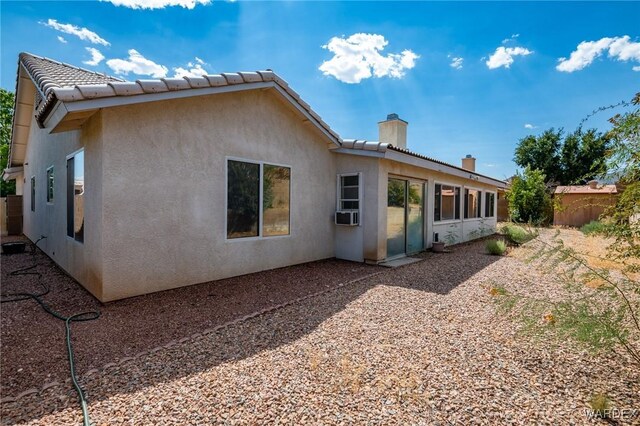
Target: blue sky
x,y
466,76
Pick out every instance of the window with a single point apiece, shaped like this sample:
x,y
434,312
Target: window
x,y
349,192
257,194
472,207
33,193
50,185
489,204
447,202
75,196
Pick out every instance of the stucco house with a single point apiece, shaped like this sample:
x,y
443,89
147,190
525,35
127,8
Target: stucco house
x,y
155,184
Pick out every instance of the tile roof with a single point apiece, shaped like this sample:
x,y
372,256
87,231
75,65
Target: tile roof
x,y
586,189
58,81
364,145
67,83
48,74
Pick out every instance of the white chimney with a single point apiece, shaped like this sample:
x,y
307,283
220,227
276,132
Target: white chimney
x,y
393,131
469,163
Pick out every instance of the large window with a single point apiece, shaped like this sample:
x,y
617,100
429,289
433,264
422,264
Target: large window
x,y
349,192
258,199
75,196
489,204
447,202
50,185
472,207
33,193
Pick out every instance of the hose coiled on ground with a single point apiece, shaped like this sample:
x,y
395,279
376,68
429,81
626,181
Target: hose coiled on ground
x,y
81,317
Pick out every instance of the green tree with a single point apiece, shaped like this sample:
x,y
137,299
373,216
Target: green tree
x,y
528,198
541,152
6,120
567,160
624,164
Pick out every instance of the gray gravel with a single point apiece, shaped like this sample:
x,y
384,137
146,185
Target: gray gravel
x,y
422,344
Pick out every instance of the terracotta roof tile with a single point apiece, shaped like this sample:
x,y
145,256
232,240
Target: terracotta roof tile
x,y
586,189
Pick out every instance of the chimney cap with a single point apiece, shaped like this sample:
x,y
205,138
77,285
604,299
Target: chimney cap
x,y
468,156
393,117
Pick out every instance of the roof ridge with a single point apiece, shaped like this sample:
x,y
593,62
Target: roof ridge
x,y
75,67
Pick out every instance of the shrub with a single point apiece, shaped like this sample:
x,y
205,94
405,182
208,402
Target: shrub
x,y
594,228
517,234
496,247
528,198
600,403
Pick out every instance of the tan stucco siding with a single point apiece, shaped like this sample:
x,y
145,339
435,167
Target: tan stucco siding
x,y
165,190
461,230
81,260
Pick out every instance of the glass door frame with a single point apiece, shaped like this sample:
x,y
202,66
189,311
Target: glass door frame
x,y
407,182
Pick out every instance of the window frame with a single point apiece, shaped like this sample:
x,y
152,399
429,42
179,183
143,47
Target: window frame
x,y
50,199
494,207
33,193
479,210
339,198
260,235
67,158
446,221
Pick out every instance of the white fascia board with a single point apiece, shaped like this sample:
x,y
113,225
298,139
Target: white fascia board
x,y
431,165
11,173
359,152
54,118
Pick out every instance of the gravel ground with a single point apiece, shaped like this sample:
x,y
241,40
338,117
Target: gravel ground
x,y
33,348
421,344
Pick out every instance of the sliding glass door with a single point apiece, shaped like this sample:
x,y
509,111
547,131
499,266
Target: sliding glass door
x,y
405,217
396,217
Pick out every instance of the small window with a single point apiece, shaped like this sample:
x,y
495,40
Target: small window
x,y
489,204
75,196
50,185
446,203
349,195
472,207
33,193
257,193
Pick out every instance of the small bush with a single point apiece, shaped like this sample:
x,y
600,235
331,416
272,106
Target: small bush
x,y
594,228
516,234
496,247
600,403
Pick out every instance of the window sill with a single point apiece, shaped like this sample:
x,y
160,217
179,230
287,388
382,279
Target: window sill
x,y
271,237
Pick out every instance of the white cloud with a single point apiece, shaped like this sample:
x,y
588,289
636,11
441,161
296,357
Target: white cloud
x,y
158,4
620,48
62,40
96,56
530,126
81,33
503,56
456,62
512,38
358,57
192,70
137,64
636,68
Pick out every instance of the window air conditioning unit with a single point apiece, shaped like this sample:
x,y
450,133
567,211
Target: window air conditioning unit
x,y
348,218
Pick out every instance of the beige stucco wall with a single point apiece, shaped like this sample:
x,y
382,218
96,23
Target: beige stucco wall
x,y
80,260
461,230
164,191
368,241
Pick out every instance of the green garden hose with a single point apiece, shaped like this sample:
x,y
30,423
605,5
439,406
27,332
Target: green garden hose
x,y
84,316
